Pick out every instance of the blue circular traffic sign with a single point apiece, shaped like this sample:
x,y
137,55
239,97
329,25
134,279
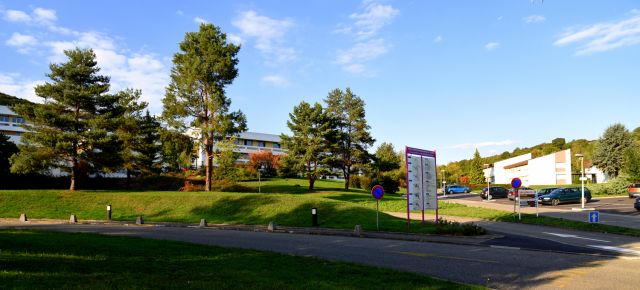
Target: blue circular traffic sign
x,y
516,182
377,192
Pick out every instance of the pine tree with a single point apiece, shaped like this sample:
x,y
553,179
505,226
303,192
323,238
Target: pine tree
x,y
7,149
126,120
71,125
202,69
351,138
476,175
309,126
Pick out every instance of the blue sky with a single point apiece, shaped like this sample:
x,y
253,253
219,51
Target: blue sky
x,y
444,75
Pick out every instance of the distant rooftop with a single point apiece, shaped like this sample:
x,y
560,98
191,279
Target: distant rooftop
x,y
260,136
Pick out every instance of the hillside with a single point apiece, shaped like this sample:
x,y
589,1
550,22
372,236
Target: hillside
x,y
7,100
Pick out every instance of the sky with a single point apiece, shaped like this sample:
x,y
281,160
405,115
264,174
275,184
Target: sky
x,y
450,76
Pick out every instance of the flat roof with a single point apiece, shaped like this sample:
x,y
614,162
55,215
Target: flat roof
x,y
260,136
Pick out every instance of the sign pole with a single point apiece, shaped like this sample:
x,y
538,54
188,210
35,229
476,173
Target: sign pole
x,y
519,206
377,216
536,203
406,163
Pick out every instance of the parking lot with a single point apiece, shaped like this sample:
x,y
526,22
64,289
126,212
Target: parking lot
x,y
615,205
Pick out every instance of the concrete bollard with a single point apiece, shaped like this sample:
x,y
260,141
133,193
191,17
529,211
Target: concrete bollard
x,y
357,230
203,223
73,219
23,217
272,226
139,220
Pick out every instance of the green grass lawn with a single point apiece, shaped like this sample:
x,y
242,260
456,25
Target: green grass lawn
x,y
47,260
287,202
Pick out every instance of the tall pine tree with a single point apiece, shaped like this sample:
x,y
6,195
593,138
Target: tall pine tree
x,y
202,69
70,125
307,146
351,137
476,175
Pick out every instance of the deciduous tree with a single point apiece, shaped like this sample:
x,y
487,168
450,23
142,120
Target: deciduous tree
x,y
196,97
7,149
609,151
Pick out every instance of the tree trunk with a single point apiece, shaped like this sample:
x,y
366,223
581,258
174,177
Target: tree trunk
x,y
74,174
310,175
128,179
207,164
347,176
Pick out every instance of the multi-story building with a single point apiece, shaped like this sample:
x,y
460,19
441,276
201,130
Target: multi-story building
x,y
11,124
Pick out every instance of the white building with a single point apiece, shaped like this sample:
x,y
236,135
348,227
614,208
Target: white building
x,y
246,143
552,169
11,124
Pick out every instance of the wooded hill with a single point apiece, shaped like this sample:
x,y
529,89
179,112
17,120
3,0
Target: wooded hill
x,y
7,100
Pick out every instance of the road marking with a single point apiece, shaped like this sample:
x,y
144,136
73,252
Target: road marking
x,y
575,237
505,247
416,254
620,250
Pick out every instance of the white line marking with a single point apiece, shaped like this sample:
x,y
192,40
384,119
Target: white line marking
x,y
621,250
505,247
575,237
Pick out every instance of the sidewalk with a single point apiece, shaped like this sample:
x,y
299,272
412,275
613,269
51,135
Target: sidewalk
x,y
626,221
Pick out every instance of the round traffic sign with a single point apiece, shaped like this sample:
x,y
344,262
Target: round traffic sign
x,y
377,192
516,182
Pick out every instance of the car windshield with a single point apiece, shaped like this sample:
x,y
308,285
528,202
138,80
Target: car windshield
x,y
635,185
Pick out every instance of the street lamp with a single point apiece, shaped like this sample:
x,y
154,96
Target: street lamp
x,y
581,176
488,183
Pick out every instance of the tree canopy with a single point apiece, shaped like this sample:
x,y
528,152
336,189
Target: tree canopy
x,y
609,152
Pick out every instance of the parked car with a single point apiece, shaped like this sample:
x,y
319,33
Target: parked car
x,y
495,192
634,190
637,204
565,195
510,195
546,190
451,189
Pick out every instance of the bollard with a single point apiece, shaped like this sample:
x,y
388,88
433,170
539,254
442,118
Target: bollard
x,y
139,220
357,230
23,217
203,223
108,212
272,226
314,217
73,219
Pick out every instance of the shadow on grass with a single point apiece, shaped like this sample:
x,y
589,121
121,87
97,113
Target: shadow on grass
x,y
43,260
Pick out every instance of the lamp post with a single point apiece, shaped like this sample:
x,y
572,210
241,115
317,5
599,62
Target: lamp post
x,y
581,177
488,183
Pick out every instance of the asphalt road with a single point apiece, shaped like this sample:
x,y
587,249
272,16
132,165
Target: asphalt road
x,y
615,205
505,263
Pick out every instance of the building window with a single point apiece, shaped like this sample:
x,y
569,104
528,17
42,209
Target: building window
x,y
276,145
260,143
4,119
237,141
248,142
18,120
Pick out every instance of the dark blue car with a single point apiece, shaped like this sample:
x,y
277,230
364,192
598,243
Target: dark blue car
x,y
451,189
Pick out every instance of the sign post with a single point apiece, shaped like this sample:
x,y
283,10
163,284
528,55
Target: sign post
x,y
377,192
516,183
421,181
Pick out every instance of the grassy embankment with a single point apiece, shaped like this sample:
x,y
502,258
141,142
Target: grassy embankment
x,y
46,260
287,202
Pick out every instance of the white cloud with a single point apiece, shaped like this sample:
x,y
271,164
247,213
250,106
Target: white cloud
x,y
179,12
603,36
491,46
438,39
200,20
44,15
276,80
365,27
373,18
483,144
269,35
16,16
22,42
534,18
235,39
499,18
23,88
138,70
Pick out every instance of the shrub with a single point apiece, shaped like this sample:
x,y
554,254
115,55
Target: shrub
x,y
455,228
354,181
616,186
387,181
